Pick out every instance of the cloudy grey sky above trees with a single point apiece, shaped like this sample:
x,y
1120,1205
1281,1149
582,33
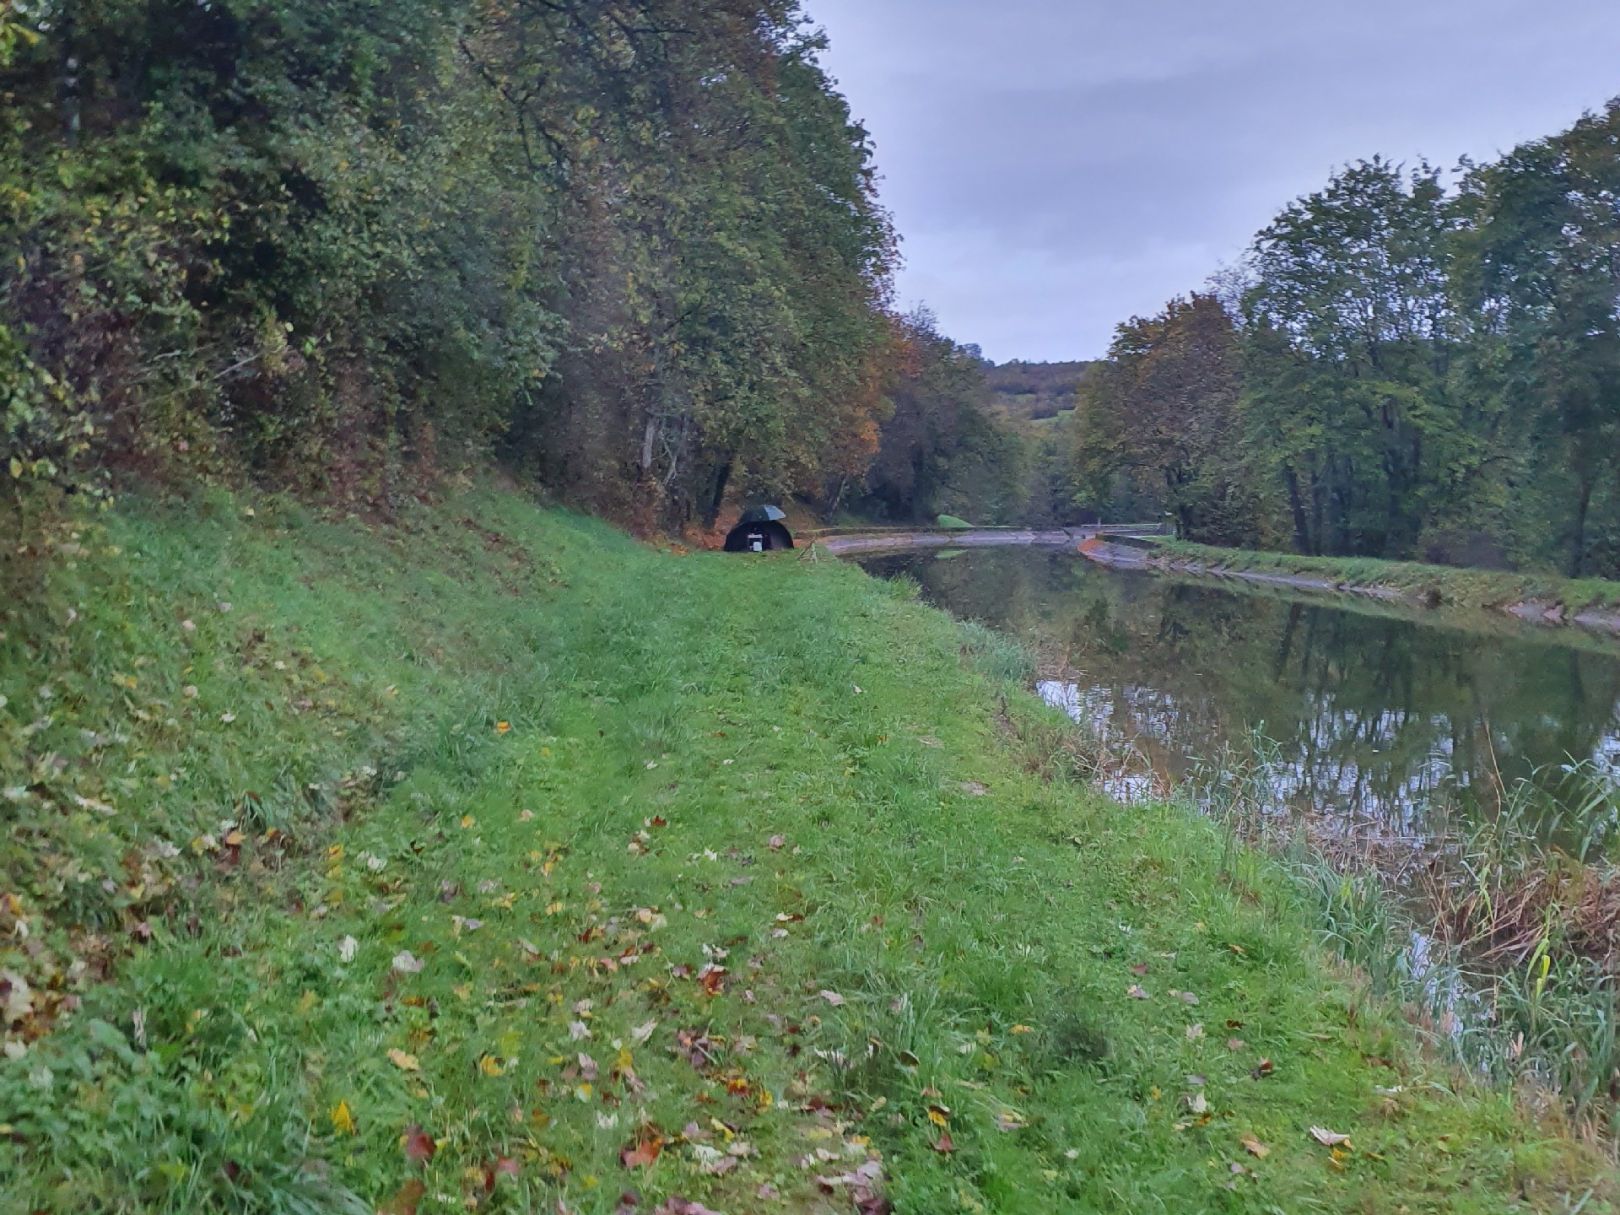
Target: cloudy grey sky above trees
x,y
1056,166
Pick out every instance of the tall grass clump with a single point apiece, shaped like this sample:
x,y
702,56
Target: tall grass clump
x,y
1500,933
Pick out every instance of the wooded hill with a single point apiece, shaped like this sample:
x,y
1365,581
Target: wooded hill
x,y
1035,391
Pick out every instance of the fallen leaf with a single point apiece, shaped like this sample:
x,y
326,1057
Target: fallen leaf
x,y
405,1063
1254,1147
1328,1138
776,843
643,1031
503,727
1263,1069
944,1146
682,1206
490,1065
1135,992
642,1153
418,1144
1195,1031
346,949
404,1202
832,997
1141,968
407,963
342,1119
1235,1044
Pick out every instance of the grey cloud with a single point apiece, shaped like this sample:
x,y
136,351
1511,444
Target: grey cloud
x,y
1055,168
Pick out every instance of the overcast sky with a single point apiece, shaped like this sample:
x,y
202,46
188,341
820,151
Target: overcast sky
x,y
1055,166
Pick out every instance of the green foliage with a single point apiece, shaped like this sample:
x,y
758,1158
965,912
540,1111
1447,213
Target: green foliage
x,y
1154,424
942,449
631,244
1417,374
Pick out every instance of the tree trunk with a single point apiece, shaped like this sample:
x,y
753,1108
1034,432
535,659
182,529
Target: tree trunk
x,y
1577,558
711,509
1302,527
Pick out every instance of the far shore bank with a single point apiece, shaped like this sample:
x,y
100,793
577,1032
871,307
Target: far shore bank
x,y
1540,599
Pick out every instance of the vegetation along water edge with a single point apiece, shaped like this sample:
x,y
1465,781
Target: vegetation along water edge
x,y
1537,598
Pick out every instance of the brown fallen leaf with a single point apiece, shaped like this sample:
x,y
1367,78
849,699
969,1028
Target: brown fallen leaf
x,y
682,1206
643,1152
418,1145
1254,1147
1141,968
1263,1069
944,1146
405,1063
405,1201
1235,1044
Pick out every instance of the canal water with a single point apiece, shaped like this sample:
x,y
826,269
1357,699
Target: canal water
x,y
1376,715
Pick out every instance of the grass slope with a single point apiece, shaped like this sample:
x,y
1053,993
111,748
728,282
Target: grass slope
x,y
703,878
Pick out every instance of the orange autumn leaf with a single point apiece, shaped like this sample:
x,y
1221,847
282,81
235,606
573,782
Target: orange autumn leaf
x,y
642,1152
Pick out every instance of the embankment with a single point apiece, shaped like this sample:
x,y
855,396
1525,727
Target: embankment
x,y
1540,599
492,861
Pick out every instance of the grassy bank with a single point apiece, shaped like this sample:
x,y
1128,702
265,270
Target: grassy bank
x,y
1433,585
491,860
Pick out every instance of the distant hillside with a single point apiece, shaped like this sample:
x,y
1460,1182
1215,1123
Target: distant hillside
x,y
1032,391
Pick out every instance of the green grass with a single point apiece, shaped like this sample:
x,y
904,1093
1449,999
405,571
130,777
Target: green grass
x,y
1439,585
565,773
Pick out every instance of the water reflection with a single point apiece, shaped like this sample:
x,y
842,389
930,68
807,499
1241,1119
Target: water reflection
x,y
1377,715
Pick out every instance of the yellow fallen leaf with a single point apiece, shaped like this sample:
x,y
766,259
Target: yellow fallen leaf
x,y
503,727
405,1063
342,1120
1255,1148
1023,1029
468,822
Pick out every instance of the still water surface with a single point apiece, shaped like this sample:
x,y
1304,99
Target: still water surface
x,y
1378,715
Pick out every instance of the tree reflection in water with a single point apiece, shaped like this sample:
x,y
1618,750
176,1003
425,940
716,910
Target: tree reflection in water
x,y
1377,715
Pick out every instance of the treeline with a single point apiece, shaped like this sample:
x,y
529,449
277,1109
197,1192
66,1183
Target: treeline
x,y
1398,369
630,247
941,448
1034,390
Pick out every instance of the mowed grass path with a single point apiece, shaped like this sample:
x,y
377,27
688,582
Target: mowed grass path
x,y
491,861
